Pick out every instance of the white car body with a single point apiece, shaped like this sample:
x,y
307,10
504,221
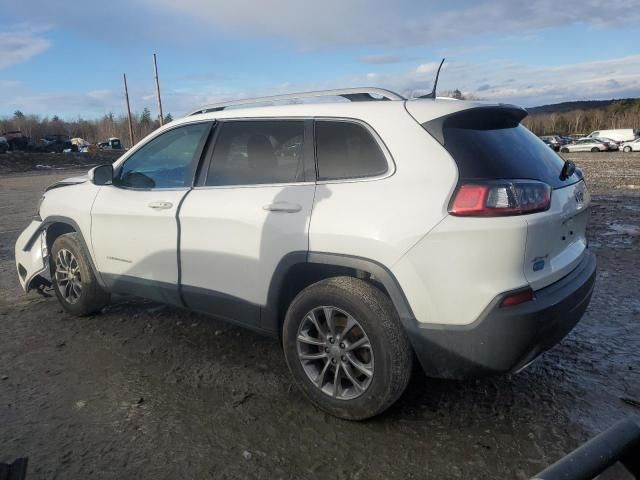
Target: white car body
x,y
619,135
633,146
227,249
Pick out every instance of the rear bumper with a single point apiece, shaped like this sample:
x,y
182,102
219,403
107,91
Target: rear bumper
x,y
505,339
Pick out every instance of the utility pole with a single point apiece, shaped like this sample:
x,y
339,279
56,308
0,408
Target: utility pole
x,y
126,96
155,69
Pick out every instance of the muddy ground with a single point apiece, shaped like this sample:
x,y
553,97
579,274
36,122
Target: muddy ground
x,y
146,391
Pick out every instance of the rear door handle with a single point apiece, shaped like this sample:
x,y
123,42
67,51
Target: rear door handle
x,y
284,207
160,205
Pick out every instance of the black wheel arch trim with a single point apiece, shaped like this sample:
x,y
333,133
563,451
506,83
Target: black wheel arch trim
x,y
53,219
377,270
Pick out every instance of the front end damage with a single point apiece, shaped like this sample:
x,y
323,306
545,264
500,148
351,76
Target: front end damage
x,y
32,257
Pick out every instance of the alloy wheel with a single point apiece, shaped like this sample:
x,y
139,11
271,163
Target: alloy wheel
x,y
67,276
335,352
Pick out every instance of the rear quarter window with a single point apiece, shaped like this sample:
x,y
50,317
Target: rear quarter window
x,y
347,150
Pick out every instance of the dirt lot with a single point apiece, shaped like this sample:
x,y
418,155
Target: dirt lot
x,y
146,391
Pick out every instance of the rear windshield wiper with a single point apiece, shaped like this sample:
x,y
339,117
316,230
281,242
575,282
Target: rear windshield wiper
x,y
568,169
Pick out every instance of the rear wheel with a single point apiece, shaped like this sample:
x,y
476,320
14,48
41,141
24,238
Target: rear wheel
x,y
73,279
346,348
626,149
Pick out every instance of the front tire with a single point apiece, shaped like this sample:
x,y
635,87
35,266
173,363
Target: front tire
x,y
346,348
564,150
74,282
595,149
626,149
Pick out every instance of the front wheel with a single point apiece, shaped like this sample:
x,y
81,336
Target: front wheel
x,y
626,149
346,348
595,149
564,150
74,282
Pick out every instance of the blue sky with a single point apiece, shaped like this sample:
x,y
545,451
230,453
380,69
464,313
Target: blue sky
x,y
67,57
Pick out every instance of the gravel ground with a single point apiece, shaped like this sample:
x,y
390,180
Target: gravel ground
x,y
147,391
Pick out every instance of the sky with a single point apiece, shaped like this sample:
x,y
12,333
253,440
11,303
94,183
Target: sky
x,y
67,57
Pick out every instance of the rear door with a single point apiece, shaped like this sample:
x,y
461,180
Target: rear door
x,y
491,144
134,229
250,209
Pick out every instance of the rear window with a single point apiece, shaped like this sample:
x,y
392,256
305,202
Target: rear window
x,y
488,145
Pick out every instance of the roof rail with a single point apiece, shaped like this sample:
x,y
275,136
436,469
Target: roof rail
x,y
352,94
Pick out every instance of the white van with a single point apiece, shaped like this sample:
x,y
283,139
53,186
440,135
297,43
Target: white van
x,y
619,135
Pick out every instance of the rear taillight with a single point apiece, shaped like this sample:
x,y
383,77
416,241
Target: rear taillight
x,y
500,197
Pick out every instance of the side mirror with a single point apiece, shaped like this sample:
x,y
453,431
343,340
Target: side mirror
x,y
101,175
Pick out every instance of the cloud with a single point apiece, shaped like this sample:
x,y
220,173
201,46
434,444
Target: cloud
x,y
326,24
401,23
383,59
20,45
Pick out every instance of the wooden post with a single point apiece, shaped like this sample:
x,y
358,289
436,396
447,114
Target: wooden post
x,y
155,69
126,96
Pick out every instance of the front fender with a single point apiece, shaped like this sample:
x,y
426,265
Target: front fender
x,y
31,254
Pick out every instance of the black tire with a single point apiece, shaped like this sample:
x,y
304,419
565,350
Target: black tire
x,y
389,345
564,150
92,297
626,149
595,149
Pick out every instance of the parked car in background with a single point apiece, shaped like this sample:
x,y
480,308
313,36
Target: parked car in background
x,y
299,221
4,145
612,145
57,143
113,143
619,135
585,145
552,140
16,140
633,146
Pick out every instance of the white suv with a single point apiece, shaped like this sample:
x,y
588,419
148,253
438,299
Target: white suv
x,y
361,233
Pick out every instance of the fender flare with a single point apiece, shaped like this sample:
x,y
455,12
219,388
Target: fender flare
x,y
378,271
52,219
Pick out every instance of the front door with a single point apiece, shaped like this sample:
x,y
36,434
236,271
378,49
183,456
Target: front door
x,y
134,228
251,210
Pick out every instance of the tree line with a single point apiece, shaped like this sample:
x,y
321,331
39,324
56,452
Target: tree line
x,y
618,114
94,131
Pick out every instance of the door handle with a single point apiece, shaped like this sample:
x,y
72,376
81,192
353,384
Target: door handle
x,y
284,207
160,205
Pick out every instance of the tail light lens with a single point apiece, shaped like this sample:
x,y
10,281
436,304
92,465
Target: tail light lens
x,y
498,198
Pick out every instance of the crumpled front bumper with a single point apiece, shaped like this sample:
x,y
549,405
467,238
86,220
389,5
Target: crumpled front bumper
x,y
31,255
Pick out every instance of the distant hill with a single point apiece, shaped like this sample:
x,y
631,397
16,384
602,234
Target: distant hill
x,y
577,105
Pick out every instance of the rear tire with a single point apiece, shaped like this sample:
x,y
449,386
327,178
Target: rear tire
x,y
324,324
73,280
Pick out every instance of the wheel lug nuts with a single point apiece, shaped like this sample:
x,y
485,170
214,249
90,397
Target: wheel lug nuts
x,y
326,349
341,345
333,360
343,358
331,340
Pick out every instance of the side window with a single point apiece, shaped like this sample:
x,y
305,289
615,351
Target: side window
x,y
165,161
249,152
347,150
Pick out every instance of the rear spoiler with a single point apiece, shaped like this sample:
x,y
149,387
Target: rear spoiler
x,y
481,117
